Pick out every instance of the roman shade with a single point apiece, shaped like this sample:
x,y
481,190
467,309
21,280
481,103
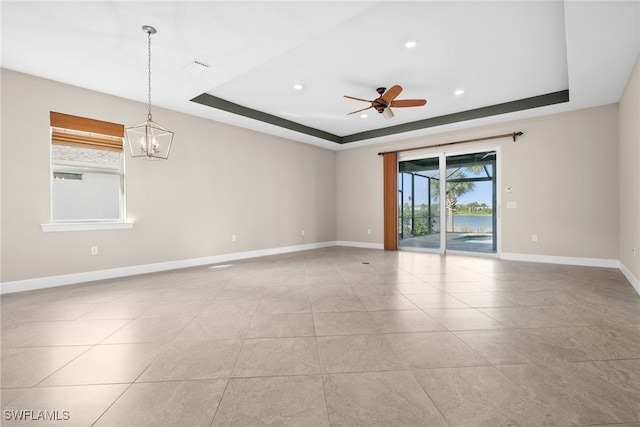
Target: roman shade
x,y
86,133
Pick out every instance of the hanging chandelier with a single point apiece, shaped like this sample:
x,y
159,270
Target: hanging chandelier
x,y
149,140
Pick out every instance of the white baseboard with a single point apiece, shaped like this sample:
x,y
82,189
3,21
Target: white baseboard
x,y
89,276
630,277
585,262
550,259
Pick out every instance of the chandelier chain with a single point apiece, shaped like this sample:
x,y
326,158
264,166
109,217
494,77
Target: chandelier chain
x,y
149,75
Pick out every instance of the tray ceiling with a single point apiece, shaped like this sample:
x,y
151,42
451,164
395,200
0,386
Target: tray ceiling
x,y
512,59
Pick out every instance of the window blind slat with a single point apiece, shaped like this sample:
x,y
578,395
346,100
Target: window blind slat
x,y
91,133
86,141
67,121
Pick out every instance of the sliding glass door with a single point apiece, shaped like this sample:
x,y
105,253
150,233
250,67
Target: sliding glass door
x,y
447,202
419,203
470,202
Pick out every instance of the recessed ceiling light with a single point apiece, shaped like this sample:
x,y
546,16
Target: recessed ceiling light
x,y
364,116
458,92
298,86
409,44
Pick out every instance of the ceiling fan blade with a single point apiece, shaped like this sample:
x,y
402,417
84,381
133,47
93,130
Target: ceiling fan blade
x,y
408,102
391,94
357,99
357,111
387,113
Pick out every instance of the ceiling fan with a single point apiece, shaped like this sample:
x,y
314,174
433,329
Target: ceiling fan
x,y
386,100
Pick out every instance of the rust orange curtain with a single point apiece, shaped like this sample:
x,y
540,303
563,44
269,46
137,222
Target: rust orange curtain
x,y
390,178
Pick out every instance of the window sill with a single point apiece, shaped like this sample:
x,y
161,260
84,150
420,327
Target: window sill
x,y
86,226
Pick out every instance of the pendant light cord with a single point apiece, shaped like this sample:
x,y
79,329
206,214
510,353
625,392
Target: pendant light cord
x,y
149,51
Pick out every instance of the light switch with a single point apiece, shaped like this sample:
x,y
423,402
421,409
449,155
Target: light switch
x,y
512,205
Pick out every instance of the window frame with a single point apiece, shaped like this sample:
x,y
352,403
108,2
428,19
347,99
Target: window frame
x,y
92,134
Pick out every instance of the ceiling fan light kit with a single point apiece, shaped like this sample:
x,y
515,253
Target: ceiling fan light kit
x,y
386,100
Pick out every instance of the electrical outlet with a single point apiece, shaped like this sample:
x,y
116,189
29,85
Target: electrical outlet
x,y
94,250
234,238
534,237
368,231
302,232
634,251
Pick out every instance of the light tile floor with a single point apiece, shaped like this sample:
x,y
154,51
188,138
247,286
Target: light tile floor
x,y
329,337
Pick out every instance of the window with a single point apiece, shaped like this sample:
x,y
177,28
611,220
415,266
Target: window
x,y
87,170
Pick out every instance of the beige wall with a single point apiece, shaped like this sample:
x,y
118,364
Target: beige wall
x,y
629,175
220,180
563,172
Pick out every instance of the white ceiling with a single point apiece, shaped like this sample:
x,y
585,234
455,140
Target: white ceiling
x,y
497,51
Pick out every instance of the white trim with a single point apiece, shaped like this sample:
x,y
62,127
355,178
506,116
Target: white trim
x,y
89,276
551,259
630,277
442,205
362,245
85,226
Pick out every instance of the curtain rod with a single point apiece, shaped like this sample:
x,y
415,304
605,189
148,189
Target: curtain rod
x,y
513,135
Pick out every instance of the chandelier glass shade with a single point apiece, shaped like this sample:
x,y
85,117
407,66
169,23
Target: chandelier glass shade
x,y
149,140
